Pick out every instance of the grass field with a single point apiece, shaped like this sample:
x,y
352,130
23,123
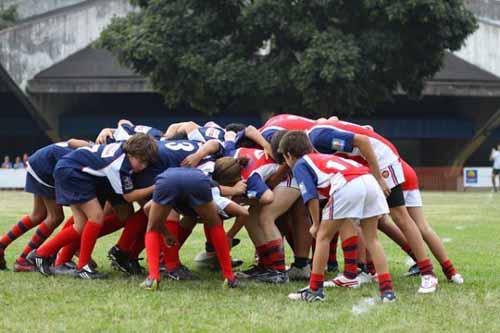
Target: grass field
x,y
468,223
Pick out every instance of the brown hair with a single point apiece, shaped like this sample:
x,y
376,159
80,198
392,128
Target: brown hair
x,y
227,170
275,144
295,143
142,147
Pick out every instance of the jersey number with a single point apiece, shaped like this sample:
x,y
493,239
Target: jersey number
x,y
176,146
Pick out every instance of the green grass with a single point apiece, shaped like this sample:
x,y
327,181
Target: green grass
x,y
470,222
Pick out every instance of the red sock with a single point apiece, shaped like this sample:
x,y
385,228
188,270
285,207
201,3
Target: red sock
x,y
135,227
219,241
17,230
425,267
277,254
153,241
62,238
406,247
262,253
41,234
171,253
448,269
350,248
67,253
69,222
371,267
87,242
316,281
110,224
333,249
385,283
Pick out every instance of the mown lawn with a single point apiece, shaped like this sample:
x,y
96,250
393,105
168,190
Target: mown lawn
x,y
468,222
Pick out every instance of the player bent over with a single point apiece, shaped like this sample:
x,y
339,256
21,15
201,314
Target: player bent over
x,y
352,193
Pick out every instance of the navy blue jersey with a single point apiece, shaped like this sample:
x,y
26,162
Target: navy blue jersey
x,y
203,134
42,162
328,140
171,153
126,130
108,161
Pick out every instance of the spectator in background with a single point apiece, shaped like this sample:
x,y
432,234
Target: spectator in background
x,y
18,164
495,157
25,159
6,163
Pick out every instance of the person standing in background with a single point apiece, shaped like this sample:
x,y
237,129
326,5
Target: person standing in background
x,y
6,163
25,159
495,157
18,164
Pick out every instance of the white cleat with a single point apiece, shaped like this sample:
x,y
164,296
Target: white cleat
x,y
428,285
457,279
342,281
364,277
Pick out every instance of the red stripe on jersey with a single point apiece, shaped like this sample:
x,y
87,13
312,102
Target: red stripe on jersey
x,y
257,163
411,178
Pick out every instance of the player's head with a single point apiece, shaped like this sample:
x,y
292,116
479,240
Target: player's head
x,y
235,127
227,170
275,145
294,145
141,150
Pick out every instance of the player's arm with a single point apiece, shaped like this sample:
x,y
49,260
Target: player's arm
x,y
365,148
230,191
104,135
233,209
307,183
278,176
210,147
183,127
253,134
139,194
78,143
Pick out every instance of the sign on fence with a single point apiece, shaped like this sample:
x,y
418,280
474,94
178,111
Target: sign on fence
x,y
477,177
12,178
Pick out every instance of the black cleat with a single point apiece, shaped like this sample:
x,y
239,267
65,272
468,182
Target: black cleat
x,y
308,295
413,271
119,259
272,276
43,265
388,297
251,273
210,248
134,268
181,273
231,283
68,269
87,273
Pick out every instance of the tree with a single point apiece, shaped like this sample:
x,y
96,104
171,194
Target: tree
x,y
325,56
8,16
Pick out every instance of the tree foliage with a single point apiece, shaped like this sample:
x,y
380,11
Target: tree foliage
x,y
325,55
8,16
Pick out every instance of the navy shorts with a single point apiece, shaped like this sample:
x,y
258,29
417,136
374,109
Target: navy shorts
x,y
105,193
74,186
33,186
183,189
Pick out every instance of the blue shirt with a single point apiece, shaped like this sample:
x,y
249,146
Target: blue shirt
x,y
307,180
327,140
43,161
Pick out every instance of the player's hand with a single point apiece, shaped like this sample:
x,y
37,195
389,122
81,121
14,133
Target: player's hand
x,y
103,136
191,161
384,187
240,188
313,230
268,151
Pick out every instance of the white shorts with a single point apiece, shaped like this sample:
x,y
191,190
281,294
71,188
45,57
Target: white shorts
x,y
393,174
360,198
289,182
413,198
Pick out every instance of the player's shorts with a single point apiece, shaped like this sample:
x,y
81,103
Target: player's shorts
x,y
35,186
182,189
393,174
74,186
360,198
412,198
289,182
496,172
105,193
396,198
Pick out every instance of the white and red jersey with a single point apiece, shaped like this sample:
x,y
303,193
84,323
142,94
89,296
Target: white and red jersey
x,y
384,150
411,178
257,171
319,175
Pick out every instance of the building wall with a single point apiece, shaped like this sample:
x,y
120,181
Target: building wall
x,y
29,8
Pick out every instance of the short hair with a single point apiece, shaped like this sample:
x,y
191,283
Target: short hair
x,y
235,127
295,143
142,147
275,145
227,170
